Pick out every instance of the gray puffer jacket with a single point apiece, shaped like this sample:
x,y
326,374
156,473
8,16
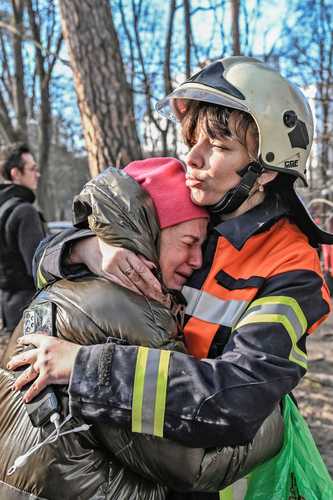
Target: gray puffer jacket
x,y
109,462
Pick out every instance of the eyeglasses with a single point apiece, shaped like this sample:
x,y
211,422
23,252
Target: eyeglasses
x,y
34,168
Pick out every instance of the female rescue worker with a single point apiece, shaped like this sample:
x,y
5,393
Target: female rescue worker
x,y
258,294
93,310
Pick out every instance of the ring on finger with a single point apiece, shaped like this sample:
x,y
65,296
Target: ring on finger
x,y
128,271
30,371
34,370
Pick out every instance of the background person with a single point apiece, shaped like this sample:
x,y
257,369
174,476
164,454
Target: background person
x,y
21,230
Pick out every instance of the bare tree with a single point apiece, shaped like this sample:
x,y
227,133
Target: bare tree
x,y
45,63
22,78
234,6
12,89
188,37
306,47
104,96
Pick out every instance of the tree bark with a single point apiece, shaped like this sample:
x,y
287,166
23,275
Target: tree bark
x,y
235,5
104,96
188,37
19,88
44,67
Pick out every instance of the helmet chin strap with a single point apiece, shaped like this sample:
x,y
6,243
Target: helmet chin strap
x,y
236,196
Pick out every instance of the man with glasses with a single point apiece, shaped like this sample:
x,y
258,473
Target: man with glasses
x,y
21,229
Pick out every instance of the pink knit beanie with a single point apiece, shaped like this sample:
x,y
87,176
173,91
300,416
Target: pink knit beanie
x,y
164,180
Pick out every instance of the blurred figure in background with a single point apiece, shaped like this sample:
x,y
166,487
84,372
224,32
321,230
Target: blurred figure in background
x,y
327,259
21,229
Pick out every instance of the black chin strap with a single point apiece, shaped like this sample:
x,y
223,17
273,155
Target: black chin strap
x,y
236,196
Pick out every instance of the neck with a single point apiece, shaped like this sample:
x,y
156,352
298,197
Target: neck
x,y
252,201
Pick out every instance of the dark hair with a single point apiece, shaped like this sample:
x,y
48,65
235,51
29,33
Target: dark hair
x,y
11,157
215,121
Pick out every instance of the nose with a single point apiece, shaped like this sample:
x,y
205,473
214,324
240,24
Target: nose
x,y
194,157
196,258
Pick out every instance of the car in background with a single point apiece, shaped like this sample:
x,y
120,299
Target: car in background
x,y
56,227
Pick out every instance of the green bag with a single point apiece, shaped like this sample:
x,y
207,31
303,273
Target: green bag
x,y
298,471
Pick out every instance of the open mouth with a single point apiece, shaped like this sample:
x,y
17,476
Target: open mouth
x,y
182,277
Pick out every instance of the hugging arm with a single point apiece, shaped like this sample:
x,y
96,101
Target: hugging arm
x,y
264,359
51,259
206,402
75,252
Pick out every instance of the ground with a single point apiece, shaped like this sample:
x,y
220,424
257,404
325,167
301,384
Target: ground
x,y
315,393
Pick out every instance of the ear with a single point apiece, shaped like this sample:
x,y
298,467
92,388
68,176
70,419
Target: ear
x,y
267,177
15,174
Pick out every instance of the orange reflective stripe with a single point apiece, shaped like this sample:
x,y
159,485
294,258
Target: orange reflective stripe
x,y
199,336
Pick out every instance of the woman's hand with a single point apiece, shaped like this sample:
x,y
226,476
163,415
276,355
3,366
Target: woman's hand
x,y
118,265
51,362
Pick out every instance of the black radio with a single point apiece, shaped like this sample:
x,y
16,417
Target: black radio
x,y
40,317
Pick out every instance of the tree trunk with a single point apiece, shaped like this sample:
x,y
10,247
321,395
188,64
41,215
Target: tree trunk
x,y
188,36
46,190
19,89
235,4
46,196
104,97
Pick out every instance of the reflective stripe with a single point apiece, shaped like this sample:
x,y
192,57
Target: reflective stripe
x,y
283,310
226,494
161,393
41,281
140,369
287,301
235,491
207,307
150,391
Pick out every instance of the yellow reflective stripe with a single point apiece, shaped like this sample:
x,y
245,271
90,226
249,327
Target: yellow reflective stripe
x,y
150,391
41,281
288,301
161,393
139,379
278,318
226,494
236,490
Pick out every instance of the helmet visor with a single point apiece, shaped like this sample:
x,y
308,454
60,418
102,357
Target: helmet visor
x,y
174,105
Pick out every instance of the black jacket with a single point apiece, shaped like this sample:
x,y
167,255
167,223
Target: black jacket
x,y
21,230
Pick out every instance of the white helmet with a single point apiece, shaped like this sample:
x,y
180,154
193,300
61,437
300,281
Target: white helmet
x,y
281,113
279,109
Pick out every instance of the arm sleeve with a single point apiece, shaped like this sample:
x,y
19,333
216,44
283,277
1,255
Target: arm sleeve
x,y
207,403
191,469
30,232
49,262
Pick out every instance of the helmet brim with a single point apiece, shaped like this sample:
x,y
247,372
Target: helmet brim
x,y
170,106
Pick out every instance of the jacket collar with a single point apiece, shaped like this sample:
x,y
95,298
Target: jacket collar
x,y
238,230
9,190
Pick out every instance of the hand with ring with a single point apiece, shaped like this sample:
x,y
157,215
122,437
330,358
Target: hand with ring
x,y
51,362
118,265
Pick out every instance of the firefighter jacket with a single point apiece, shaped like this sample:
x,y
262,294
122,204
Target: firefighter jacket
x,y
258,296
109,462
